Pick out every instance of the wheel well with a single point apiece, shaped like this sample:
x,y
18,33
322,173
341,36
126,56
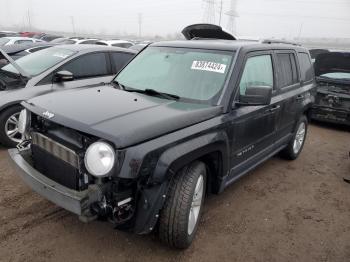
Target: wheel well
x,y
307,113
214,164
9,106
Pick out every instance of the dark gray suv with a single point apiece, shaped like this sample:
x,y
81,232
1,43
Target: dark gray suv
x,y
183,119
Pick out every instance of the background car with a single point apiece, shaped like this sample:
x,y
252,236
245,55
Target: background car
x,y
8,33
116,42
53,69
17,51
12,40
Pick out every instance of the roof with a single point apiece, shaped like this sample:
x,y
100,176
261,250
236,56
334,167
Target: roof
x,y
92,48
9,49
114,41
226,45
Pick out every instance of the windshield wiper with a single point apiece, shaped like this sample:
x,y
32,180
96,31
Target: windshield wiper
x,y
118,85
153,92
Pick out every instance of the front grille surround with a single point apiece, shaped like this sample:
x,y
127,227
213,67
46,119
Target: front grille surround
x,y
56,149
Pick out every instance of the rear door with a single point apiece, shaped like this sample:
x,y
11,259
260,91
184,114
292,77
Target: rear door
x,y
288,93
119,60
253,127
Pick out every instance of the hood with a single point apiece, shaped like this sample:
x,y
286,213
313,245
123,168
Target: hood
x,y
121,117
5,59
332,62
206,31
316,52
10,80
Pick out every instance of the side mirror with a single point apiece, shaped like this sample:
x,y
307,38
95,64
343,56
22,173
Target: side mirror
x,y
63,76
256,95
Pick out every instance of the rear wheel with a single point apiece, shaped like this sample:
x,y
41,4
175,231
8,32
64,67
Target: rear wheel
x,y
183,207
9,135
296,145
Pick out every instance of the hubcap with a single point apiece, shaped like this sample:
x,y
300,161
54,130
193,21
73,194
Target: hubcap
x,y
196,205
11,128
299,138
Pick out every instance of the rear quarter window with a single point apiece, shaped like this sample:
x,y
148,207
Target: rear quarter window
x,y
306,68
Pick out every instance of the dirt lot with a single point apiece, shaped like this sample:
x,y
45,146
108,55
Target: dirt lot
x,y
283,211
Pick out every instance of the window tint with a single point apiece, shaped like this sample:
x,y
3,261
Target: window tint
x,y
87,42
88,66
258,71
119,60
306,67
288,70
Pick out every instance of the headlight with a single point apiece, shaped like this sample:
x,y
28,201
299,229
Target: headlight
x,y
23,121
99,159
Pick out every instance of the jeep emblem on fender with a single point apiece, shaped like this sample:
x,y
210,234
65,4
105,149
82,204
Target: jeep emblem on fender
x,y
48,115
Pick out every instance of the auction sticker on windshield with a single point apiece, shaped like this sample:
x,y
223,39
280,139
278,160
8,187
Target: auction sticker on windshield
x,y
208,66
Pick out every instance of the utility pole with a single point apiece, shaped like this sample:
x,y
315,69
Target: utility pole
x,y
220,12
232,14
140,23
29,20
73,24
209,11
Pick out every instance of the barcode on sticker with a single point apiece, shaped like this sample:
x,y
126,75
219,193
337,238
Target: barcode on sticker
x,y
209,66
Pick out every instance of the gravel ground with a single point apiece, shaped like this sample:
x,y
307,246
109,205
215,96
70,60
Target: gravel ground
x,y
282,211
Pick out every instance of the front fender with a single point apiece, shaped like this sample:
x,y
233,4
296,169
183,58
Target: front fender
x,y
152,198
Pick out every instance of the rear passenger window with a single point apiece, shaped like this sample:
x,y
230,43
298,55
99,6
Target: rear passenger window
x,y
288,73
120,60
306,67
258,71
91,65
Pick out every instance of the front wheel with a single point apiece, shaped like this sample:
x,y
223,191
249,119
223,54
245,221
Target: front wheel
x,y
296,145
9,134
183,207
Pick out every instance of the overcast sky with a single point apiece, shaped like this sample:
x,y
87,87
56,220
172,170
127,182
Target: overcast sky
x,y
257,18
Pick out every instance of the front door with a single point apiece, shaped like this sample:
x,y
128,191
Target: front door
x,y
253,127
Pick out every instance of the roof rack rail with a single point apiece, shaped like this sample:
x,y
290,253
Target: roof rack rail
x,y
276,41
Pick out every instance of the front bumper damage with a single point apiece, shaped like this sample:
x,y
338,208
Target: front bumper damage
x,y
331,115
77,202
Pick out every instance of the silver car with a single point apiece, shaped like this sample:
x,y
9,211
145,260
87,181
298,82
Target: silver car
x,y
53,69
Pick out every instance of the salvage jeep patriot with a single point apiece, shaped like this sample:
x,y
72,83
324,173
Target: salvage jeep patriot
x,y
183,119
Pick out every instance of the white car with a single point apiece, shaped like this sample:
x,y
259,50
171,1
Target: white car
x,y
18,40
117,43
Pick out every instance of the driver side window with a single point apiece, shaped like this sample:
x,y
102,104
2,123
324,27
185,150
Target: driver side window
x,y
258,71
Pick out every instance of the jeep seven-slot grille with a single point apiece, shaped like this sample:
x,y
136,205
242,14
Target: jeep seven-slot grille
x,y
56,149
56,162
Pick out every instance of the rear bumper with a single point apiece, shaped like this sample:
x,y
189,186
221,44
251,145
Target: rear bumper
x,y
331,115
77,202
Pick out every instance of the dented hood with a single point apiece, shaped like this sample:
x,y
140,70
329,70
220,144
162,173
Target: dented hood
x,y
206,31
332,62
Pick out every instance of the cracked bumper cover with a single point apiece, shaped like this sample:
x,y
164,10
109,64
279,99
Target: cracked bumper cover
x,y
77,202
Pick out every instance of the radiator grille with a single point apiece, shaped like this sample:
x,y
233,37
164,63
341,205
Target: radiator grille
x,y
56,149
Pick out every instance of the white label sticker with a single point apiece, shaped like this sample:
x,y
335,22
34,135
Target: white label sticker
x,y
209,66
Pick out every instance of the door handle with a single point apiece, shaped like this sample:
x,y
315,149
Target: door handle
x,y
299,97
273,109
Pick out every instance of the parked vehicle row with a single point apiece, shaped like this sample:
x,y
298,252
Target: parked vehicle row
x,y
181,120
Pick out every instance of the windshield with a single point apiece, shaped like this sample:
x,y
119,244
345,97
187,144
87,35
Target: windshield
x,y
3,41
40,61
188,73
338,76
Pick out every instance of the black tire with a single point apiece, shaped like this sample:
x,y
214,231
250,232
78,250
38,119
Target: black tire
x,y
289,153
4,116
174,217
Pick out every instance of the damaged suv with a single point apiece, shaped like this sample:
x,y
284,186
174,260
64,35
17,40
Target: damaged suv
x,y
183,119
332,104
